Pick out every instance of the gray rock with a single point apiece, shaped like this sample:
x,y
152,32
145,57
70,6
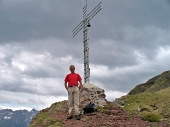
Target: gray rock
x,y
92,93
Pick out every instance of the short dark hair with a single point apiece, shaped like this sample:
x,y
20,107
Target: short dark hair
x,y
72,66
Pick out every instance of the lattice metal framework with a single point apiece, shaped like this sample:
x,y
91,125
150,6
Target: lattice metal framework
x,y
85,24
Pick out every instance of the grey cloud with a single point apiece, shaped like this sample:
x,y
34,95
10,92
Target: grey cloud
x,y
27,20
126,37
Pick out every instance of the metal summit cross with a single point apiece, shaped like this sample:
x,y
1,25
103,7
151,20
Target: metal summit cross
x,y
84,25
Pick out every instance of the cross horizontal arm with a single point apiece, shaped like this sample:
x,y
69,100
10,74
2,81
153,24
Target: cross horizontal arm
x,y
81,25
98,6
87,18
94,13
78,28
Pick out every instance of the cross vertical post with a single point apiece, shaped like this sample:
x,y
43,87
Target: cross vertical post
x,y
85,24
86,46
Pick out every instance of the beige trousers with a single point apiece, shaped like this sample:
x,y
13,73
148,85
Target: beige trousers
x,y
73,100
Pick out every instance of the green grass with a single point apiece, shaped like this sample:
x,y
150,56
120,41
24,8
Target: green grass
x,y
157,103
44,119
151,117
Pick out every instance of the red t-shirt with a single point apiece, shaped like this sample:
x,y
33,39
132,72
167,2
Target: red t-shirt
x,y
72,79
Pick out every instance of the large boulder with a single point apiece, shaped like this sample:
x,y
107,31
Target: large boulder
x,y
92,93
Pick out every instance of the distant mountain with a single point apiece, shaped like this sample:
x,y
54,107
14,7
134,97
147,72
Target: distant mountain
x,y
18,118
154,84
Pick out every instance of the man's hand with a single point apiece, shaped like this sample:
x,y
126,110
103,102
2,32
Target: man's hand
x,y
80,86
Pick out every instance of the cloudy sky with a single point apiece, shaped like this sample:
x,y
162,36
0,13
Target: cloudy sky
x,y
128,41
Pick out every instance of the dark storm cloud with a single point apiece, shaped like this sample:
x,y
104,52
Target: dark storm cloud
x,y
128,44
117,15
27,20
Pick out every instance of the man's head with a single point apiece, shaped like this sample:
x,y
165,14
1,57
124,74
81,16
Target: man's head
x,y
72,68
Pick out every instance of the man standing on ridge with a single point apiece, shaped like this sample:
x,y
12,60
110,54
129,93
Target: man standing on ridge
x,y
73,84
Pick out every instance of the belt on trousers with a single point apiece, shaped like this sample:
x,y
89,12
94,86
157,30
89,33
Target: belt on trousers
x,y
73,86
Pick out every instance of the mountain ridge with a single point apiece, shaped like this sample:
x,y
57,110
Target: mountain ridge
x,y
154,84
16,118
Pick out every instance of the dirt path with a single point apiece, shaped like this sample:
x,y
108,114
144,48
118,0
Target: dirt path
x,y
110,116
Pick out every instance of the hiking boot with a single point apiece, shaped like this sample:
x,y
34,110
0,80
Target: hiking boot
x,y
69,117
77,117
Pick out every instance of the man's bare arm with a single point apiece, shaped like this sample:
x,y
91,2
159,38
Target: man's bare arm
x,y
80,84
65,84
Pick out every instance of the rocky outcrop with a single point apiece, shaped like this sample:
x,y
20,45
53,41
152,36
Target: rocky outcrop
x,y
92,93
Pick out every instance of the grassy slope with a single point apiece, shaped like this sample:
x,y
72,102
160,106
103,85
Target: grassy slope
x,y
44,118
154,84
158,103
